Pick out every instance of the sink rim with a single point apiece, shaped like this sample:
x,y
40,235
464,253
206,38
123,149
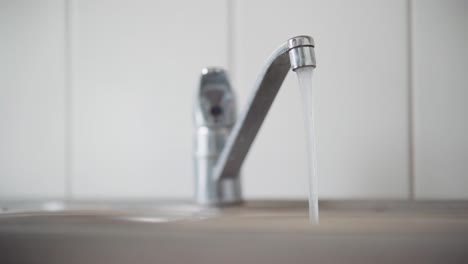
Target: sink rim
x,y
186,207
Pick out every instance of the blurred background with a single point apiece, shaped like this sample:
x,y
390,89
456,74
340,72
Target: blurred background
x,y
96,96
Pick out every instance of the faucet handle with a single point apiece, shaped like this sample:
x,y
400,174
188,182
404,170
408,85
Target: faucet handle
x,y
215,104
215,115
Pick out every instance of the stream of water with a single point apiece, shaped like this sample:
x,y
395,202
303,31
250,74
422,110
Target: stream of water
x,y
304,76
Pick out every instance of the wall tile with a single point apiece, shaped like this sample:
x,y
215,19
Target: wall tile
x,y
361,95
440,41
136,67
32,117
131,108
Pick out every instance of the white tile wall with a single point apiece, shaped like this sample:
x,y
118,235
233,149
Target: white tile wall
x,y
441,98
361,97
135,64
32,99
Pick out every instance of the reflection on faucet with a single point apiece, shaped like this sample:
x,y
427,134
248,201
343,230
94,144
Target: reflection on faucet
x,y
221,144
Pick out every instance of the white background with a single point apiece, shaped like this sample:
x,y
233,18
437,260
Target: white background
x,y
96,96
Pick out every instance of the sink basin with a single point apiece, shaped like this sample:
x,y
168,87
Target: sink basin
x,y
255,232
107,212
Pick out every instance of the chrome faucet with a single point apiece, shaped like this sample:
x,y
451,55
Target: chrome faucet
x,y
221,143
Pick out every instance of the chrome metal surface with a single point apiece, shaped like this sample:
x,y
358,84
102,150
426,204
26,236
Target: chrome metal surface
x,y
214,116
217,177
302,57
301,52
215,102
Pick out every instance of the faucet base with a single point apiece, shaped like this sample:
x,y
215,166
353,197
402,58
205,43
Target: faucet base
x,y
224,192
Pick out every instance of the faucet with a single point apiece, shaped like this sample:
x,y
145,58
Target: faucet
x,y
221,142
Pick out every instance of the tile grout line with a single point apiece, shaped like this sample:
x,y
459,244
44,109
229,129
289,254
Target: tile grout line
x,y
410,103
68,99
230,39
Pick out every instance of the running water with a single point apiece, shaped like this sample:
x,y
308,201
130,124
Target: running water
x,y
304,76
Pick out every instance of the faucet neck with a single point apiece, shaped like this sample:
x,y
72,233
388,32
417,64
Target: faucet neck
x,y
295,53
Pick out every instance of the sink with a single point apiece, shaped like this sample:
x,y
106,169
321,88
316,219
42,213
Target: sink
x,y
62,212
255,232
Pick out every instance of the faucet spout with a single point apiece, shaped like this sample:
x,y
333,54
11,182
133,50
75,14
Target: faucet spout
x,y
295,53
